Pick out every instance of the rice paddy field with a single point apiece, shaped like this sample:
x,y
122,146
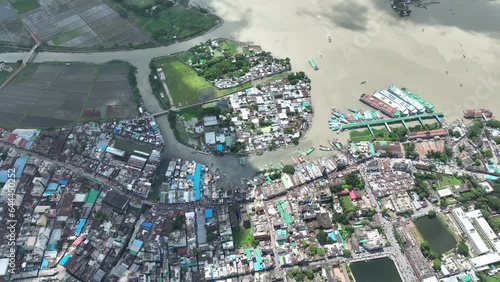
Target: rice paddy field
x,y
80,23
11,28
51,95
169,23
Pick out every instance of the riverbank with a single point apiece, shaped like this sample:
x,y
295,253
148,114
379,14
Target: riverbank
x,y
413,53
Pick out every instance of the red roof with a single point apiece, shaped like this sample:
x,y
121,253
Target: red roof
x,y
78,240
181,251
352,195
12,137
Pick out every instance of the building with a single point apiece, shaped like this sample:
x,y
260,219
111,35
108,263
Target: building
x,y
136,161
210,120
477,244
115,152
485,229
481,263
436,133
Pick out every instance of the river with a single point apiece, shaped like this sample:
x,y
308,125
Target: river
x,y
445,53
375,270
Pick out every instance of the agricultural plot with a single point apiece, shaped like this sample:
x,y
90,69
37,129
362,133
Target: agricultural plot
x,y
81,23
11,29
46,95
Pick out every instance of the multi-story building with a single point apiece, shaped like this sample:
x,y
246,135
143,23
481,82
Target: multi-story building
x,y
476,242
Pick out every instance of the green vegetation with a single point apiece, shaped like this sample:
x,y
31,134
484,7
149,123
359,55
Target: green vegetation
x,y
432,214
483,276
449,180
427,251
493,123
436,263
475,130
242,237
397,133
410,151
294,78
101,216
289,169
444,157
211,233
323,238
299,274
129,146
167,22
183,82
354,180
178,223
462,248
347,204
346,252
23,6
157,87
421,185
186,87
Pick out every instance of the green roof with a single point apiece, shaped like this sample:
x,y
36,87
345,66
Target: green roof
x,y
247,252
229,141
91,196
281,232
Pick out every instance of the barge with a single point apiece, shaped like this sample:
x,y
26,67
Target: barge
x,y
379,105
399,93
428,106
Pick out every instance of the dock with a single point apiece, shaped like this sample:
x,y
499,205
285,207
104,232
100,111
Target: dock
x,y
386,122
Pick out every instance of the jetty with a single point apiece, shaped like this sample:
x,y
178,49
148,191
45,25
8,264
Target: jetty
x,y
386,122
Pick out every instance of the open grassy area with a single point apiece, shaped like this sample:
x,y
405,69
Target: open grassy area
x,y
23,6
230,46
416,234
129,146
189,113
450,180
186,87
183,82
242,237
346,203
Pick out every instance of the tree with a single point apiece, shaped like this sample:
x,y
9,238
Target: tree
x,y
289,169
432,214
313,250
353,180
346,252
321,252
323,238
436,263
463,249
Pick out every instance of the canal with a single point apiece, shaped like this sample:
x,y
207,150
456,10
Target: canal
x,y
375,270
434,231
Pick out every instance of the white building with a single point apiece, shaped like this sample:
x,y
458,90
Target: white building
x,y
477,244
482,262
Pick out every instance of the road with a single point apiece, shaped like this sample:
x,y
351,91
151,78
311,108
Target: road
x,y
402,264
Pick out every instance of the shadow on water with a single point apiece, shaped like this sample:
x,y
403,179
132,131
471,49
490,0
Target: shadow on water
x,y
479,16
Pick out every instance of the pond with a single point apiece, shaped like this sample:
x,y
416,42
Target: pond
x,y
370,271
435,232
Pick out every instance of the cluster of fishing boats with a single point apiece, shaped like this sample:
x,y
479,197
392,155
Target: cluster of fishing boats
x,y
335,144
